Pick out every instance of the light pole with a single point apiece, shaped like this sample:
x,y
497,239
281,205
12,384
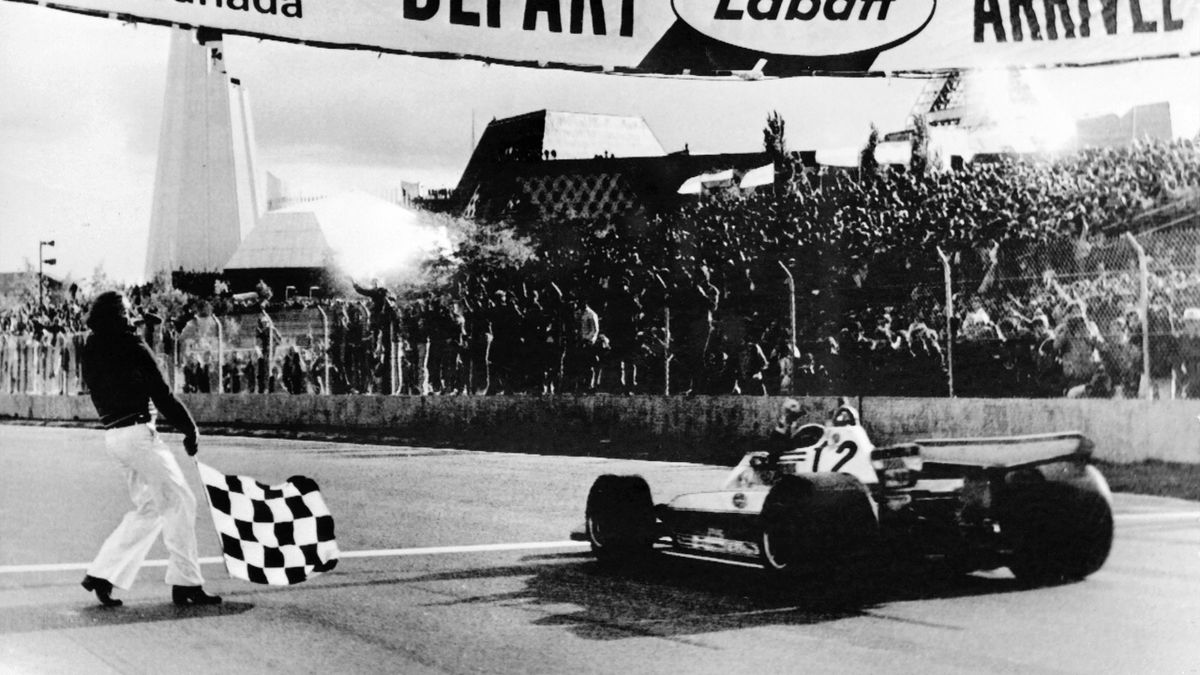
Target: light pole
x,y
42,260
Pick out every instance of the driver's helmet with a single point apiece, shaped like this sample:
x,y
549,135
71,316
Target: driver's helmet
x,y
845,415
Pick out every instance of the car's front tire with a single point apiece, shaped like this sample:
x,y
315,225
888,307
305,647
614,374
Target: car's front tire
x,y
816,522
620,521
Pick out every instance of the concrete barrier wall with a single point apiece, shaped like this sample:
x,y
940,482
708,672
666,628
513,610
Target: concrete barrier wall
x,y
1123,430
699,428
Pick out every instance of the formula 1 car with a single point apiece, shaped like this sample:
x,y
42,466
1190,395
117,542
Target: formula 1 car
x,y
1032,503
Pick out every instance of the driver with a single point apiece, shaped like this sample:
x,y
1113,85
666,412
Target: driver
x,y
784,436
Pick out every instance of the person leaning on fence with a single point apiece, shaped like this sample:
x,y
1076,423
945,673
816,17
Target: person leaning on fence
x,y
1164,351
585,353
126,388
752,364
382,308
1188,345
1077,342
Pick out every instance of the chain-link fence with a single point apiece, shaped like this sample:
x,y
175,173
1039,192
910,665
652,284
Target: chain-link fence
x,y
1114,315
1107,316
280,352
40,364
285,351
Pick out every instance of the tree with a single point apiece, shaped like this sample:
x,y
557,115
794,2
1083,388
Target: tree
x,y
99,281
164,297
482,250
919,164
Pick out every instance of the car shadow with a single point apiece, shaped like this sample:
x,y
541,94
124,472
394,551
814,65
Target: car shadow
x,y
672,597
59,616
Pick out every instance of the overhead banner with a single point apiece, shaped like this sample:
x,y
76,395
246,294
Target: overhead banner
x,y
708,38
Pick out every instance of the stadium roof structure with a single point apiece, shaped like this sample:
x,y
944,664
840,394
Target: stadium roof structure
x,y
591,188
353,233
570,135
283,239
556,135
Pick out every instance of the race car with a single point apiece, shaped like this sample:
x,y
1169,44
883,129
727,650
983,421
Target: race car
x,y
1034,504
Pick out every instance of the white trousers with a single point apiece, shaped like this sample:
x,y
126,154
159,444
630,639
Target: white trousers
x,y
162,501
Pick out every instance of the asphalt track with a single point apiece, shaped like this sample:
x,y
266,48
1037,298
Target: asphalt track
x,y
459,562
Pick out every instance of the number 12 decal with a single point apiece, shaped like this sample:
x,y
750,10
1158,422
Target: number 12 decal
x,y
845,452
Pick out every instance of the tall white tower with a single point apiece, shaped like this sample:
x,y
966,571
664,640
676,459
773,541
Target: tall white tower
x,y
206,185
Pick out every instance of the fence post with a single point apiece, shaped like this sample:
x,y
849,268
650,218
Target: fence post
x,y
949,319
39,370
60,356
325,386
220,357
174,366
29,371
666,350
72,356
1144,385
791,284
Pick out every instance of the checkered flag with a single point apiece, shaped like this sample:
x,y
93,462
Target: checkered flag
x,y
278,535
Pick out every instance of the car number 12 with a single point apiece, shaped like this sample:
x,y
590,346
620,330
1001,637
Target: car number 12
x,y
844,453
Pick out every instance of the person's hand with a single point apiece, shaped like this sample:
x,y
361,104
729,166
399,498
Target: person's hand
x,y
790,411
191,444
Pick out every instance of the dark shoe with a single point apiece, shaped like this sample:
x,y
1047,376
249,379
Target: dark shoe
x,y
193,595
103,590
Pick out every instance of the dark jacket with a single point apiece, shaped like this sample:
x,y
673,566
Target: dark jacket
x,y
123,378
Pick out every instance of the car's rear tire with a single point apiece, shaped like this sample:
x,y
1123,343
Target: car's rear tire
x,y
620,520
814,523
1059,531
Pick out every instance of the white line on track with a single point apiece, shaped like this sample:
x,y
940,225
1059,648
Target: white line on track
x,y
1156,517
478,548
379,553
525,546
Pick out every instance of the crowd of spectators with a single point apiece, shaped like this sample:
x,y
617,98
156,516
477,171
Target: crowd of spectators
x,y
38,345
697,301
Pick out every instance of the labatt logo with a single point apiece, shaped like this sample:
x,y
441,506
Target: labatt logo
x,y
808,27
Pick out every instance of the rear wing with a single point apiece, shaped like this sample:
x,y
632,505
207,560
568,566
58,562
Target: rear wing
x,y
1007,452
